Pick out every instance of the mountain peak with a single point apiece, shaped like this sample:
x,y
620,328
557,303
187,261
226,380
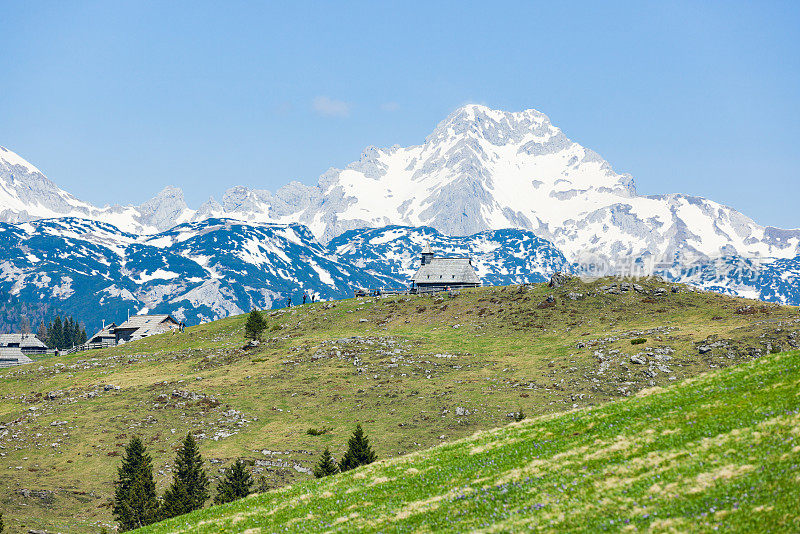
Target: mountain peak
x,y
13,159
165,210
496,126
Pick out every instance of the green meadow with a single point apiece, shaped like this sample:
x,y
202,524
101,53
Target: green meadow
x,y
417,373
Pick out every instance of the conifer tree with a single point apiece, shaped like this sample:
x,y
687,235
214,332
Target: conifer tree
x,y
189,488
67,333
255,325
135,500
326,466
55,333
358,452
236,484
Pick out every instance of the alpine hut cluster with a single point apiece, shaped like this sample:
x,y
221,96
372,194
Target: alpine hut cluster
x,y
444,272
15,349
136,327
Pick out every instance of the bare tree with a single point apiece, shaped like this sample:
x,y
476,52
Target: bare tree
x,y
41,332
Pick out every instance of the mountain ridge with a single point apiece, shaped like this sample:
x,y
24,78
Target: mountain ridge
x,y
479,169
507,187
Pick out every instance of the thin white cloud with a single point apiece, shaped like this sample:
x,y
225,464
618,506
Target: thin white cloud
x,y
328,107
390,106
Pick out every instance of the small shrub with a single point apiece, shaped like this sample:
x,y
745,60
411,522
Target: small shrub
x,y
318,431
275,328
638,341
519,416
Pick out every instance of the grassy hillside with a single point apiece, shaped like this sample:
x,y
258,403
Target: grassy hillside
x,y
718,452
415,371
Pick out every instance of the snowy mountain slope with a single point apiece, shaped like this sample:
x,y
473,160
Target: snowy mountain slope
x,y
483,169
510,189
511,256
770,280
197,271
218,267
480,169
500,257
27,195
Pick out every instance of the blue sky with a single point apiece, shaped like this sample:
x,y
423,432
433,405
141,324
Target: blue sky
x,y
114,100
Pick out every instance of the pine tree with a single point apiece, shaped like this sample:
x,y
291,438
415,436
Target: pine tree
x,y
82,338
135,500
76,333
358,452
189,488
66,335
326,466
255,325
55,333
236,484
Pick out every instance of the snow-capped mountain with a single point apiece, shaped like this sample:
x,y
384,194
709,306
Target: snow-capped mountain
x,y
218,267
500,257
480,169
28,195
196,271
509,189
483,169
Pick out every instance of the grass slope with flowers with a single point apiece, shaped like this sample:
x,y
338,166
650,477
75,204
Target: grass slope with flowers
x,y
717,452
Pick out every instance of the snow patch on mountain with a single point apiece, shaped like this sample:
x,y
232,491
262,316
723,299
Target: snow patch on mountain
x,y
480,169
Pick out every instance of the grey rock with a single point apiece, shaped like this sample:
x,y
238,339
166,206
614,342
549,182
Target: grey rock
x,y
558,279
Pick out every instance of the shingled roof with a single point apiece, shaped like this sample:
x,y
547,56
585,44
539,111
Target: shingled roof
x,y
138,321
23,341
146,325
447,271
